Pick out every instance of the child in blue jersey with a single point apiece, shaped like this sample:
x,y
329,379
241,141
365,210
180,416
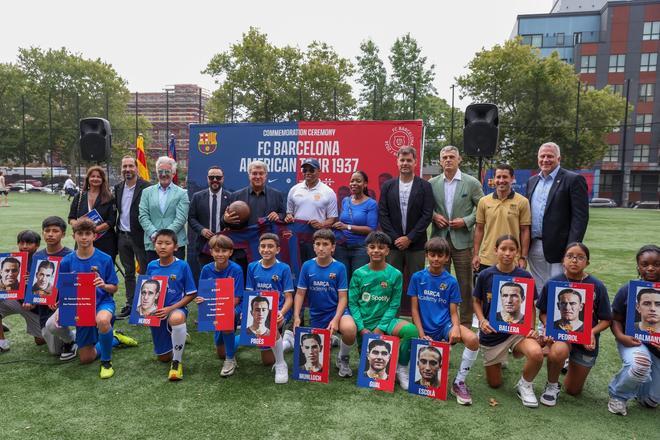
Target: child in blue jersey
x,y
323,280
27,241
434,298
495,346
222,249
91,341
581,358
639,376
271,274
170,337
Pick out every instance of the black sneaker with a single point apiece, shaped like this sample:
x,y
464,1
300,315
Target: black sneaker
x,y
69,351
124,313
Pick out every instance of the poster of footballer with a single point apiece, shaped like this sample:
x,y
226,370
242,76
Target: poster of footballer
x,y
150,292
643,312
512,306
570,309
13,267
311,358
378,359
429,366
216,310
259,323
42,285
77,300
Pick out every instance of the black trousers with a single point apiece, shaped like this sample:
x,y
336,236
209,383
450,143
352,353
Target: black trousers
x,y
128,253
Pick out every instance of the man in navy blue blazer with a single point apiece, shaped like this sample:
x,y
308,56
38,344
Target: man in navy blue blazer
x,y
560,213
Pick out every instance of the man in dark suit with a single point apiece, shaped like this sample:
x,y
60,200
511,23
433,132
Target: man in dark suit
x,y
560,213
130,235
264,202
206,210
405,210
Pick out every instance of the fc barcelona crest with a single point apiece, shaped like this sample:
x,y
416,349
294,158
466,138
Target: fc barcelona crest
x,y
208,142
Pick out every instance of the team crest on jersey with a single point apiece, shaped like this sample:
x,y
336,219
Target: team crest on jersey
x,y
332,275
383,284
173,277
208,142
275,278
366,296
489,296
443,286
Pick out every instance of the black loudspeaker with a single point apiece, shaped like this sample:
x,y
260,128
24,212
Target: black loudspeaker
x,y
481,130
95,139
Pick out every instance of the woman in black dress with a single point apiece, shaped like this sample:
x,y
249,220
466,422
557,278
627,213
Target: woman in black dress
x,y
96,195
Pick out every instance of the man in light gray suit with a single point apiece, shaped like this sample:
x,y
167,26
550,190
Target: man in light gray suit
x,y
456,198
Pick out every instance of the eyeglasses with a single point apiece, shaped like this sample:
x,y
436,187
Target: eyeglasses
x,y
216,177
164,172
580,258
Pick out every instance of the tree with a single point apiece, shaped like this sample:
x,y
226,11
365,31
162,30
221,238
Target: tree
x,y
537,99
12,86
268,83
375,101
75,88
411,77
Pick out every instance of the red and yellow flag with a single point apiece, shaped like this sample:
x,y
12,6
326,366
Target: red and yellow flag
x,y
143,170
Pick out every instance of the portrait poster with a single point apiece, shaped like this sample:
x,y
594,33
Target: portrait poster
x,y
512,305
311,354
216,312
429,367
643,311
570,312
42,284
378,360
259,322
77,300
94,216
150,293
13,271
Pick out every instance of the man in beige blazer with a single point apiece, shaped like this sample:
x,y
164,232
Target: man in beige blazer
x,y
456,197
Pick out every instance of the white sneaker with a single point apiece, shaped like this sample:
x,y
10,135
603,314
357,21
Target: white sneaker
x,y
335,340
402,376
344,367
288,340
281,373
228,367
616,406
4,345
526,394
550,394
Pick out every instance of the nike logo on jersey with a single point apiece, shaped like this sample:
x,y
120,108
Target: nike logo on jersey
x,y
272,180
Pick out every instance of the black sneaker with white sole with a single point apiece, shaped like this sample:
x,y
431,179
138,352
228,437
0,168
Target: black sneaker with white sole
x,y
69,351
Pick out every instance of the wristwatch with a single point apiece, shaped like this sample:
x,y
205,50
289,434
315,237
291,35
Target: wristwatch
x,y
349,227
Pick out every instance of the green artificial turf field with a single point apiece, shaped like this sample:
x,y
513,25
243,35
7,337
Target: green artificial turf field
x,y
46,399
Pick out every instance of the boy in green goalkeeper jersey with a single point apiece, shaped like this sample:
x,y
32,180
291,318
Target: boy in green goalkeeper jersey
x,y
374,297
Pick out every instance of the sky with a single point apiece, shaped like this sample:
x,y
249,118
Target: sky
x,y
156,44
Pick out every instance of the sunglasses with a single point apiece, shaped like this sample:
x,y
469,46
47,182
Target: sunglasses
x,y
216,177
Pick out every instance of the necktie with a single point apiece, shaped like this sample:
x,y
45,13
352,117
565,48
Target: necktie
x,y
214,213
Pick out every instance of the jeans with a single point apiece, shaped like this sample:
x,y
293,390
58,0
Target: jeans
x,y
639,377
353,256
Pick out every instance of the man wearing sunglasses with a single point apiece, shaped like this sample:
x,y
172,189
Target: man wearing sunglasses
x,y
164,206
207,208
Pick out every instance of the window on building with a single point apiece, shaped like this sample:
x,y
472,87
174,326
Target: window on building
x,y
588,64
607,182
643,123
648,62
612,155
646,92
560,39
651,30
534,40
617,89
641,153
577,37
636,182
617,63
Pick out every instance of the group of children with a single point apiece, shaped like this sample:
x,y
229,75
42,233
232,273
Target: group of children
x,y
352,305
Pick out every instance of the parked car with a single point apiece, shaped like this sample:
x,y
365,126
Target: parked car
x,y
597,202
22,187
32,182
647,205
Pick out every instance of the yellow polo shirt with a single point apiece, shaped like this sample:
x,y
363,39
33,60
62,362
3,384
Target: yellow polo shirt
x,y
501,217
